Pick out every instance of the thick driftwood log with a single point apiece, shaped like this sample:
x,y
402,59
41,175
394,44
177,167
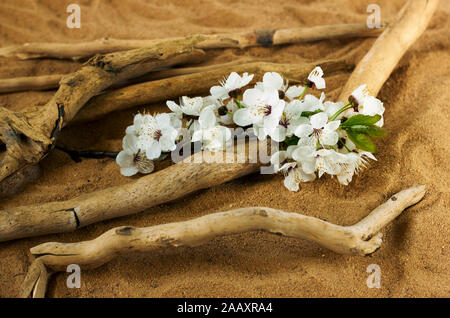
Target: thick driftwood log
x,y
193,84
377,65
264,38
29,135
360,239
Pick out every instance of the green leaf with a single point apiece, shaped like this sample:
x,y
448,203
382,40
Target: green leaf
x,y
361,141
361,120
308,114
369,130
291,141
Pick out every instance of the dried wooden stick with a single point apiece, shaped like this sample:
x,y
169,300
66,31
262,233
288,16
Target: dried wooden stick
x,y
193,84
361,239
264,38
19,84
166,185
44,82
377,65
31,134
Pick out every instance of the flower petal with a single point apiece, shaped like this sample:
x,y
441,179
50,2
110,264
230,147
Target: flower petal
x,y
304,130
319,120
242,117
153,150
129,171
207,118
125,159
219,92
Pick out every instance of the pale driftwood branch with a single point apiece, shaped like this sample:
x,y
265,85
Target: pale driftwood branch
x,y
231,40
377,65
163,186
31,134
19,84
360,239
193,84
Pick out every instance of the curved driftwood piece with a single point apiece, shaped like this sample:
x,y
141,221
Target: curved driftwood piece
x,y
264,38
29,135
360,239
192,84
190,175
377,65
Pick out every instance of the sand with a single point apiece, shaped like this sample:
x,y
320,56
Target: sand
x,y
414,258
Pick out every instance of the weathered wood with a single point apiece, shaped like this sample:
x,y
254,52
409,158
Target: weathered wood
x,y
377,65
31,134
360,239
194,84
264,38
166,185
44,82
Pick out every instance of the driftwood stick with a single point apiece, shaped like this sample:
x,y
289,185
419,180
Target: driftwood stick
x,y
360,239
44,82
29,135
377,65
193,84
19,84
265,38
166,185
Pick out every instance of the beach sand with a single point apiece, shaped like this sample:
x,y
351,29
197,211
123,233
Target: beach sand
x,y
414,258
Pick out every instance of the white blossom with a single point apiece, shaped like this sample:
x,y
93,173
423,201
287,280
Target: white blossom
x,y
155,134
232,83
263,110
319,130
131,159
290,119
366,104
292,170
214,137
316,77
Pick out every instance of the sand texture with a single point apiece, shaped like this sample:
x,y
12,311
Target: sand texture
x,y
414,258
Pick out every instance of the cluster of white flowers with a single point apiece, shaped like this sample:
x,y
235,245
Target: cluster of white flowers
x,y
314,136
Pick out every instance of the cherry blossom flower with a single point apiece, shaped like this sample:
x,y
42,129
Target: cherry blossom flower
x,y
188,106
365,104
155,134
214,137
290,119
319,130
316,78
132,159
230,87
292,170
263,109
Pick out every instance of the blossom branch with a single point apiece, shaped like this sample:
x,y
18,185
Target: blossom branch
x,y
360,239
